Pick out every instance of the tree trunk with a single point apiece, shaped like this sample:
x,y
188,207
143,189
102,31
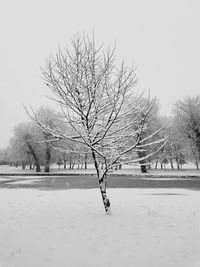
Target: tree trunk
x,y
70,162
85,161
38,169
177,163
103,185
73,164
37,163
198,142
65,164
23,165
78,163
64,161
143,167
47,158
195,154
156,165
102,179
30,166
171,163
197,164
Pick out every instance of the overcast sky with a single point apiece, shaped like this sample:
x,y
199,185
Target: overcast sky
x,y
162,38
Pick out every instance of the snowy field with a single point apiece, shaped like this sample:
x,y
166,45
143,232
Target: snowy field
x,y
147,228
188,169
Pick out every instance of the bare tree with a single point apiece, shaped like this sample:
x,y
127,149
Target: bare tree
x,y
97,99
188,115
151,123
47,116
23,149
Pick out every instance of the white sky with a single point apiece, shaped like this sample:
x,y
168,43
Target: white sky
x,y
161,37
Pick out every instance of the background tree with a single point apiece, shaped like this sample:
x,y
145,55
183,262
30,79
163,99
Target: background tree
x,y
65,150
50,119
22,147
176,147
151,125
94,95
187,114
4,160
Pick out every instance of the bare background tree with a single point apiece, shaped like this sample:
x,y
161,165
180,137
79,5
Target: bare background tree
x,y
22,148
188,116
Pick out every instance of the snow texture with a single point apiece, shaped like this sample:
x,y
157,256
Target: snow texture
x,y
147,228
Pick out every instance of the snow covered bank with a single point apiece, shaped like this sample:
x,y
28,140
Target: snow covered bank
x,y
126,170
148,228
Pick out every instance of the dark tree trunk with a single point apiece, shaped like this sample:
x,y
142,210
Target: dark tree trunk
x,y
197,164
47,158
64,161
65,164
72,165
38,169
37,163
143,167
78,163
171,163
156,165
70,162
23,165
85,161
177,156
177,163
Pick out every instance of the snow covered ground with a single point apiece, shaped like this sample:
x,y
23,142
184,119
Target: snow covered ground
x,y
126,170
147,228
